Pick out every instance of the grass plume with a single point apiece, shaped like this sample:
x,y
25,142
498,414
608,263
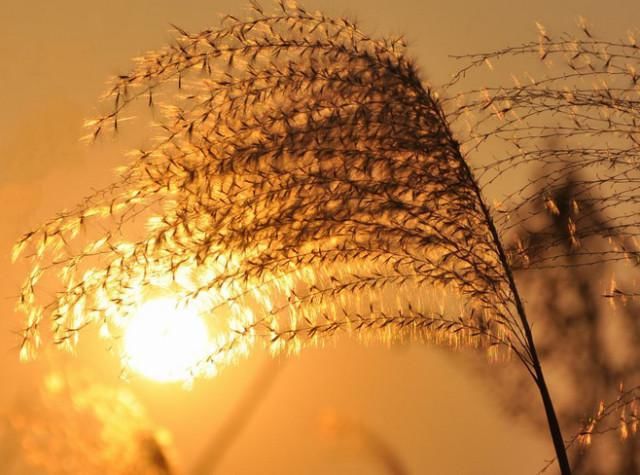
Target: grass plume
x,y
304,181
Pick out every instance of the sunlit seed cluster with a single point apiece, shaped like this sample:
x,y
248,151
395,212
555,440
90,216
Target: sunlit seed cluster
x,y
305,182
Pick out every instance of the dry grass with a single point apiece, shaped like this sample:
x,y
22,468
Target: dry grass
x,y
305,180
303,174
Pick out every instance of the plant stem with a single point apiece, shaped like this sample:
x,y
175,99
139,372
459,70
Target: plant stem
x,y
552,420
240,416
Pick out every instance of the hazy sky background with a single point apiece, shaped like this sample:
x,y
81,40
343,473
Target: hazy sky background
x,y
436,413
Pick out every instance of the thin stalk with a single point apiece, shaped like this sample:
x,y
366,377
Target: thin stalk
x,y
552,419
224,438
538,375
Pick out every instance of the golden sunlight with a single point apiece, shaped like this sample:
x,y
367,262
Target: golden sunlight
x,y
165,340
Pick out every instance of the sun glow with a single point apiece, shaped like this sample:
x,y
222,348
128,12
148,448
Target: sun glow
x,y
164,340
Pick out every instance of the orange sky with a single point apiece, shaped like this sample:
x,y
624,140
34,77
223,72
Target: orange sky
x,y
433,409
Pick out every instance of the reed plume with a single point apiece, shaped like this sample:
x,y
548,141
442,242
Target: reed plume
x,y
304,181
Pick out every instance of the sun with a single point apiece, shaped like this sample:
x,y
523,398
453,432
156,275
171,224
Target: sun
x,y
165,340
